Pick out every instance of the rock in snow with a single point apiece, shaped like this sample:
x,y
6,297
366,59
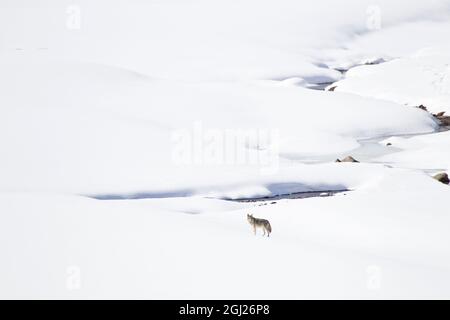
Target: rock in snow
x,y
348,159
442,177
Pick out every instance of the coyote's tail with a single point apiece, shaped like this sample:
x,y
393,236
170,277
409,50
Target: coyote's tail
x,y
269,227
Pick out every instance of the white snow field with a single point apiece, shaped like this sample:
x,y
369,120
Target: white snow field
x,y
419,79
126,128
428,152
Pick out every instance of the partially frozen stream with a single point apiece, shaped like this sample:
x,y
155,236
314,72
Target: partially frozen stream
x,y
369,151
371,148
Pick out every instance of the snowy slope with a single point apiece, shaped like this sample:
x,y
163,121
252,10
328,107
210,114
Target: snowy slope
x,y
349,246
429,152
96,129
201,39
420,79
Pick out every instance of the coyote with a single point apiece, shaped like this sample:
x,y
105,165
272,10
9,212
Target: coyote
x,y
259,223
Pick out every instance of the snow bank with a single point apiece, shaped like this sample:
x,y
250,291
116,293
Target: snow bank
x,y
87,128
420,79
393,232
201,39
428,152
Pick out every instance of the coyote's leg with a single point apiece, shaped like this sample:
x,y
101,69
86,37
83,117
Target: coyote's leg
x,y
264,232
254,230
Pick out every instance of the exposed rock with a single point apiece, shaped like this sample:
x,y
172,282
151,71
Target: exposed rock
x,y
374,61
440,114
388,144
332,88
348,159
445,120
442,177
423,108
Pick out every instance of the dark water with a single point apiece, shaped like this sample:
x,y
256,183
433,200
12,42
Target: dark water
x,y
295,195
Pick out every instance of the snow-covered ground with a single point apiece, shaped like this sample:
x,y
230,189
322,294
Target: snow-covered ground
x,y
125,127
419,79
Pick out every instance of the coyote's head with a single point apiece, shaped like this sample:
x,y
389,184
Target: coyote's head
x,y
249,217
